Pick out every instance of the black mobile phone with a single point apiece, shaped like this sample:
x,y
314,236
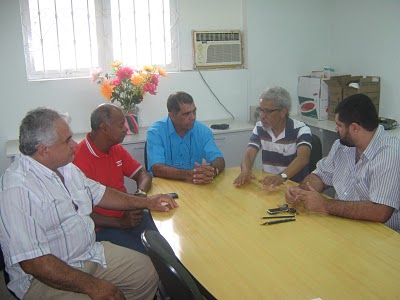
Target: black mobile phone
x,y
173,195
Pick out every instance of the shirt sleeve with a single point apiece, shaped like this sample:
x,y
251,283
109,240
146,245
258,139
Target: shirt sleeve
x,y
155,148
130,165
255,141
385,169
326,166
210,150
21,217
304,137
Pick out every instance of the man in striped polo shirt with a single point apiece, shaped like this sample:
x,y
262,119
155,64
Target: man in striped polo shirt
x,y
285,143
363,167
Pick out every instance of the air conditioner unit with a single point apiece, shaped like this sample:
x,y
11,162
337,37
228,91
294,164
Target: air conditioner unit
x,y
217,49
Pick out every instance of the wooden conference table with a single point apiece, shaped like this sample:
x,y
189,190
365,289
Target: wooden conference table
x,y
216,234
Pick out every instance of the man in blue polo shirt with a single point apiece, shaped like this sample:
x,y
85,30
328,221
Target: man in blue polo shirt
x,y
285,143
178,144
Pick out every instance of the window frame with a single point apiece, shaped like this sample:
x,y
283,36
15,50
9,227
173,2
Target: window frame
x,y
105,51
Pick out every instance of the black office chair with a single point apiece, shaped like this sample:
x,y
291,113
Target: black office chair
x,y
145,155
176,281
316,153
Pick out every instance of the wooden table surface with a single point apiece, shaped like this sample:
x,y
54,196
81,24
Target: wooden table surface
x,y
216,234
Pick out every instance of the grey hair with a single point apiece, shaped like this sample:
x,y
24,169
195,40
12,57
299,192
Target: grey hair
x,y
37,128
102,114
280,95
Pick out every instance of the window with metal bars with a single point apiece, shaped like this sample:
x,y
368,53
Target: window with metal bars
x,y
67,38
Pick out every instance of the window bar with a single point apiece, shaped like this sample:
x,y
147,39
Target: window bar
x,y
134,22
149,17
164,40
90,34
120,30
58,38
74,35
41,39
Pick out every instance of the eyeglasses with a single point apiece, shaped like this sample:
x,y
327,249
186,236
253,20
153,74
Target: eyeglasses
x,y
265,110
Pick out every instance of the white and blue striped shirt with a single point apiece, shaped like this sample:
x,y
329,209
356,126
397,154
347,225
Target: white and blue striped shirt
x,y
40,216
375,177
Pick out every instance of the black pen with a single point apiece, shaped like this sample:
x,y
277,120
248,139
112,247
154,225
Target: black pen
x,y
279,221
278,217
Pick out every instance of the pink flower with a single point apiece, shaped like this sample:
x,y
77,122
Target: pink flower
x,y
94,74
115,82
154,79
124,73
150,87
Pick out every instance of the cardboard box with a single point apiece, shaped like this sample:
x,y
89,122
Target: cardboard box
x,y
312,93
370,86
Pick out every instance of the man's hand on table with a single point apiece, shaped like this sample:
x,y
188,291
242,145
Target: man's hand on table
x,y
272,181
310,198
243,178
202,174
160,202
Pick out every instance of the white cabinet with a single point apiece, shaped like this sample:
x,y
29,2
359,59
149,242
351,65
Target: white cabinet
x,y
137,152
232,146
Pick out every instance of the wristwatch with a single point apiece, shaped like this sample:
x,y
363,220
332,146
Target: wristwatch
x,y
140,193
216,172
284,176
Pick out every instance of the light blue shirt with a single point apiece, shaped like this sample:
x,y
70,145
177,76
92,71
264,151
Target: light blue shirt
x,y
166,147
375,177
40,216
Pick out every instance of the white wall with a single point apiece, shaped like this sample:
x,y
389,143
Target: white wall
x,y
286,38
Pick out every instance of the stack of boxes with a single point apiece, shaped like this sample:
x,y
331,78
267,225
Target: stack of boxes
x,y
318,97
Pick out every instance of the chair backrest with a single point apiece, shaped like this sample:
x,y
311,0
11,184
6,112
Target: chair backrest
x,y
316,153
177,281
145,155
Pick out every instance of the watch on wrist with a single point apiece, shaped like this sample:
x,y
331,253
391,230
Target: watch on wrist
x,y
284,176
216,172
139,193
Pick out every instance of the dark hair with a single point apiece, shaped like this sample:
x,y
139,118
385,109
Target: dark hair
x,y
37,128
102,114
176,99
358,109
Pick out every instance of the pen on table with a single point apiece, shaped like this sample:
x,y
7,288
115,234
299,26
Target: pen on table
x,y
279,221
278,217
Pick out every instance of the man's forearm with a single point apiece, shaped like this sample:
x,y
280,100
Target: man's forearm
x,y
57,274
114,199
165,171
359,210
314,181
218,163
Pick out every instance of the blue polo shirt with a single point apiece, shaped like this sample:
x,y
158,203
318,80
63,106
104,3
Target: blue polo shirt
x,y
165,146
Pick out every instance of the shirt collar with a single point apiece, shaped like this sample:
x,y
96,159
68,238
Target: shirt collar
x,y
92,148
34,165
171,128
372,147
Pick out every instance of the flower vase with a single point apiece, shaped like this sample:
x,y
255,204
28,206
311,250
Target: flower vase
x,y
132,119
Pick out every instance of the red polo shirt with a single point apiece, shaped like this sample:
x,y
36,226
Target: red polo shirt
x,y
108,169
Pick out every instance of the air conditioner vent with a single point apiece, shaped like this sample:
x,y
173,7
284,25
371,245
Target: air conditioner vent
x,y
217,49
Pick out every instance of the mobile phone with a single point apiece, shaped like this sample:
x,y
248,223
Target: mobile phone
x,y
273,211
173,195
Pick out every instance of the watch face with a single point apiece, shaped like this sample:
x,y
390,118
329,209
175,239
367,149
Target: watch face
x,y
284,176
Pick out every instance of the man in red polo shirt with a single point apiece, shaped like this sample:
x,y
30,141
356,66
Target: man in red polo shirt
x,y
101,157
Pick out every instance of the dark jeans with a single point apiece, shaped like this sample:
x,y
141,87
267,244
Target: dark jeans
x,y
128,238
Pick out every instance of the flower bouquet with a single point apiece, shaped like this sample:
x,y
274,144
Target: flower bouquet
x,y
128,86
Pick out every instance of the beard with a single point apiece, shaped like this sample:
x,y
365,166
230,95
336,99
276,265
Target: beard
x,y
346,140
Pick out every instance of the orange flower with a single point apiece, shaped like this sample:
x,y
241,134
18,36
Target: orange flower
x,y
106,89
162,72
148,68
116,64
137,79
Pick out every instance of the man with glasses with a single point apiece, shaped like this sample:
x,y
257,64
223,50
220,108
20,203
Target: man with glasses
x,y
177,144
285,143
101,158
